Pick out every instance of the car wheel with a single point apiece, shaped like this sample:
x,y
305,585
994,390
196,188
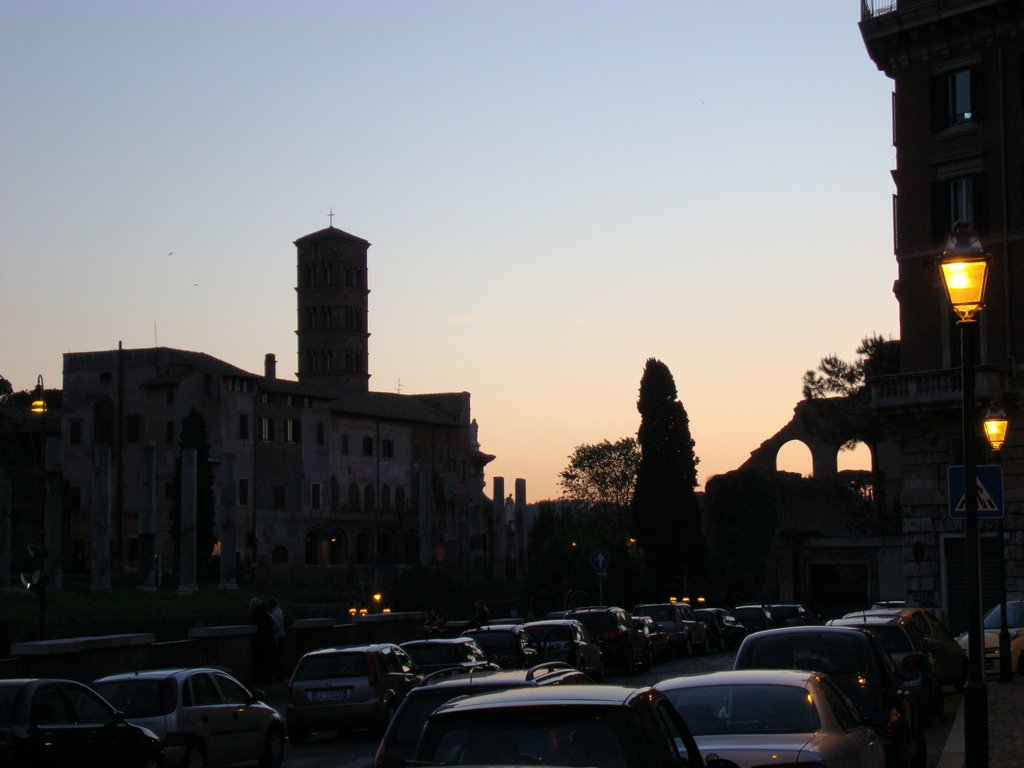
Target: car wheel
x,y
194,758
273,749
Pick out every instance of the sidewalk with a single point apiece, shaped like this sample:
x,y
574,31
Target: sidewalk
x,y
1005,735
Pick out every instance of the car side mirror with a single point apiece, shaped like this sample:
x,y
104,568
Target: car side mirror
x,y
257,694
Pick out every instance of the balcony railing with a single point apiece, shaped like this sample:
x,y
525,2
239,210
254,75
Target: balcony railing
x,y
872,8
935,388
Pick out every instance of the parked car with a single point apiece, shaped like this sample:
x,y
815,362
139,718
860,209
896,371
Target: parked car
x,y
857,661
992,624
684,629
203,715
730,631
399,742
343,688
774,717
623,644
53,723
658,647
509,646
436,653
915,661
754,616
951,658
583,725
792,615
569,641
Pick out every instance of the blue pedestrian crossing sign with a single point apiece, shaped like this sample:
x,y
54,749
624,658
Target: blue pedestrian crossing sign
x,y
989,492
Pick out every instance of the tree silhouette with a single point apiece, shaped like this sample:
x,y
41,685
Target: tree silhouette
x,y
604,473
666,516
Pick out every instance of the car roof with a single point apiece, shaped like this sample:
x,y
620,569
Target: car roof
x,y
457,640
453,677
159,674
554,695
869,619
368,648
804,630
794,677
551,623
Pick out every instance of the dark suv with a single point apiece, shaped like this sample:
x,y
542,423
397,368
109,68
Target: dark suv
x,y
587,725
623,644
399,742
859,664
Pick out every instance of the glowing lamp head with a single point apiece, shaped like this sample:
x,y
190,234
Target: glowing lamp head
x,y
964,267
995,427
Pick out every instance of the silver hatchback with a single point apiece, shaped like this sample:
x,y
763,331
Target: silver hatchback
x,y
203,716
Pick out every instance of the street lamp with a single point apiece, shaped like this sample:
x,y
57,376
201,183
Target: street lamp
x,y
995,430
964,268
39,554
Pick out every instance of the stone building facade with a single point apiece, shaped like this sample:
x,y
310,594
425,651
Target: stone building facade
x,y
957,68
318,481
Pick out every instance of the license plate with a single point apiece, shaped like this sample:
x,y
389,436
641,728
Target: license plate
x,y
336,694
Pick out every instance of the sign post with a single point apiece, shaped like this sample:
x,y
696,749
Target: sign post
x,y
600,560
989,491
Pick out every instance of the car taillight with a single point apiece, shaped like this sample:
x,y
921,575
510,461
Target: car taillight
x,y
895,721
371,670
611,634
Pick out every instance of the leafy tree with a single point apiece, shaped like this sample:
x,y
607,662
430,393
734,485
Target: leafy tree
x,y
604,473
745,505
6,390
838,378
666,515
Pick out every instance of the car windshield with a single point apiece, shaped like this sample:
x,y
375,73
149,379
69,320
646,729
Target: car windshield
x,y
748,614
134,697
894,638
332,665
552,637
434,654
785,611
503,738
742,708
598,623
1014,616
495,641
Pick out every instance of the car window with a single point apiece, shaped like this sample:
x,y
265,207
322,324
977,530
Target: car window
x,y
231,692
204,692
332,665
745,708
842,708
49,707
135,697
893,638
8,694
403,661
89,708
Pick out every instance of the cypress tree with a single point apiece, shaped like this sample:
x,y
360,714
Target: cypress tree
x,y
666,516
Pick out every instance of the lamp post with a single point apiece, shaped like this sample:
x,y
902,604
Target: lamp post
x,y
995,430
964,268
39,554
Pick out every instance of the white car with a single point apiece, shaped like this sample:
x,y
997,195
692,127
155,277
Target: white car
x,y
992,624
758,717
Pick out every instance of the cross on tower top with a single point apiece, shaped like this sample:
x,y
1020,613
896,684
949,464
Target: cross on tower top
x,y
330,217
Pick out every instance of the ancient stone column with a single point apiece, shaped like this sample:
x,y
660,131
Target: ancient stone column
x,y
426,508
100,517
498,553
147,516
187,567
227,516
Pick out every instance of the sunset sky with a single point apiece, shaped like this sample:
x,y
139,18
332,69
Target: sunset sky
x,y
554,192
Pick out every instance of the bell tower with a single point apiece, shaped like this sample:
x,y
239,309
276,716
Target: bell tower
x,y
333,307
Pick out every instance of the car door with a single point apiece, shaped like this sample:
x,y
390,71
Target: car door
x,y
102,737
53,738
205,715
530,652
860,741
245,738
401,671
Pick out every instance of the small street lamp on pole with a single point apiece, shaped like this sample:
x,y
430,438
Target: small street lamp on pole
x,y
39,554
995,430
964,267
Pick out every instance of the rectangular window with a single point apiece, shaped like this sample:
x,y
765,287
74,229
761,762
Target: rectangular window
x,y
367,446
243,426
314,496
957,97
266,429
243,491
293,428
320,433
278,497
133,428
388,449
961,198
75,436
